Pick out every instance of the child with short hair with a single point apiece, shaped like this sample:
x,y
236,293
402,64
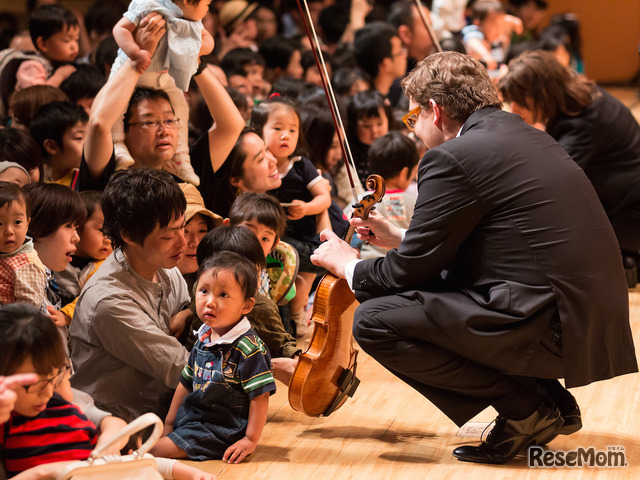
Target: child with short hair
x,y
220,406
45,425
263,215
59,129
23,277
55,32
178,51
394,157
303,190
243,59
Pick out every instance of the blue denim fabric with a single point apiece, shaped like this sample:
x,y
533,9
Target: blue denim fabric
x,y
212,417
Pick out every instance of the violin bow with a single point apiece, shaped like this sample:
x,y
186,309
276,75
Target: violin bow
x,y
333,104
427,25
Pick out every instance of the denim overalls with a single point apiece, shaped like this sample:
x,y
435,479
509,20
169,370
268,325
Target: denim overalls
x,y
214,416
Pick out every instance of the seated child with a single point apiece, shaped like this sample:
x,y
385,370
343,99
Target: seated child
x,y
55,31
178,51
264,318
220,405
92,249
46,426
23,277
59,129
394,157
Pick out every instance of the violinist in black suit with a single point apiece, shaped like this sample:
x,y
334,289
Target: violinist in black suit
x,y
508,278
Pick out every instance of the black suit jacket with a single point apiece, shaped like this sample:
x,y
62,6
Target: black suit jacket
x,y
507,226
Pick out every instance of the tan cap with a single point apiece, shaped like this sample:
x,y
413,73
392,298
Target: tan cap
x,y
195,204
235,12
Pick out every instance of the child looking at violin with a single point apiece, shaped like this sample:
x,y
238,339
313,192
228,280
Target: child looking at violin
x,y
220,406
303,191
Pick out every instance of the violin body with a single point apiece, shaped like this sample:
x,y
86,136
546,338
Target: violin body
x,y
316,382
326,373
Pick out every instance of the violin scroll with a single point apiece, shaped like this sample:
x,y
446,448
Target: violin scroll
x,y
375,183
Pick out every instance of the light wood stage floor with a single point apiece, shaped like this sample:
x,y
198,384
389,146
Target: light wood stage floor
x,y
388,431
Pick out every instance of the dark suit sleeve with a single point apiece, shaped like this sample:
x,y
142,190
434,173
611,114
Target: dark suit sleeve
x,y
447,210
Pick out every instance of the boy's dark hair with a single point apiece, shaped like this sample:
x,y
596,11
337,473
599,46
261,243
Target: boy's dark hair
x,y
344,78
333,21
390,153
85,82
140,94
367,104
53,205
401,13
91,200
52,120
135,201
106,54
371,45
240,58
10,192
243,270
277,51
102,16
20,147
47,20
233,238
26,333
261,207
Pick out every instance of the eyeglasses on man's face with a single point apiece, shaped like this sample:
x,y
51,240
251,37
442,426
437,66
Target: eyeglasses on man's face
x,y
40,385
155,123
411,118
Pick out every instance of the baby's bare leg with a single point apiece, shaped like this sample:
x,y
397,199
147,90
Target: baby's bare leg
x,y
167,449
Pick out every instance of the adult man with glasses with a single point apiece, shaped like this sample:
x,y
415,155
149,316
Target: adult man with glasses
x,y
150,121
508,278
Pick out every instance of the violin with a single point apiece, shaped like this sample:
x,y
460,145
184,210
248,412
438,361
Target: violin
x,y
325,375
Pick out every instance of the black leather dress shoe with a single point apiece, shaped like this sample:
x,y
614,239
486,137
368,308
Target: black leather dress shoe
x,y
510,437
572,423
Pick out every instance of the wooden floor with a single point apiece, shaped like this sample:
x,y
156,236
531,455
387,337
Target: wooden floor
x,y
388,431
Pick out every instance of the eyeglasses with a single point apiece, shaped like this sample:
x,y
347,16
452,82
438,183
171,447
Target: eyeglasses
x,y
40,385
411,118
155,124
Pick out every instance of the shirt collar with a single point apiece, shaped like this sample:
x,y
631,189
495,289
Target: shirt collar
x,y
209,337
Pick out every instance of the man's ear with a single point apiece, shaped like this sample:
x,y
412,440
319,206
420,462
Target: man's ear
x,y
126,239
51,147
385,65
404,34
248,305
437,111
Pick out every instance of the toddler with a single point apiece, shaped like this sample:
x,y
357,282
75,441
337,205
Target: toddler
x,y
55,32
178,52
23,277
220,405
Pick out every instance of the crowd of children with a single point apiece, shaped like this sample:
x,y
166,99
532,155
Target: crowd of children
x,y
227,325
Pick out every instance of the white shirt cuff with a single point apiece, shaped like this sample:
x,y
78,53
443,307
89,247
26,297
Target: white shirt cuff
x,y
404,232
349,270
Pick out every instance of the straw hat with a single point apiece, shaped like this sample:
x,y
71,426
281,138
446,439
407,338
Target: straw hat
x,y
195,204
235,12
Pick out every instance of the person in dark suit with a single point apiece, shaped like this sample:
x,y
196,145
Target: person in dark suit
x,y
508,278
597,130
